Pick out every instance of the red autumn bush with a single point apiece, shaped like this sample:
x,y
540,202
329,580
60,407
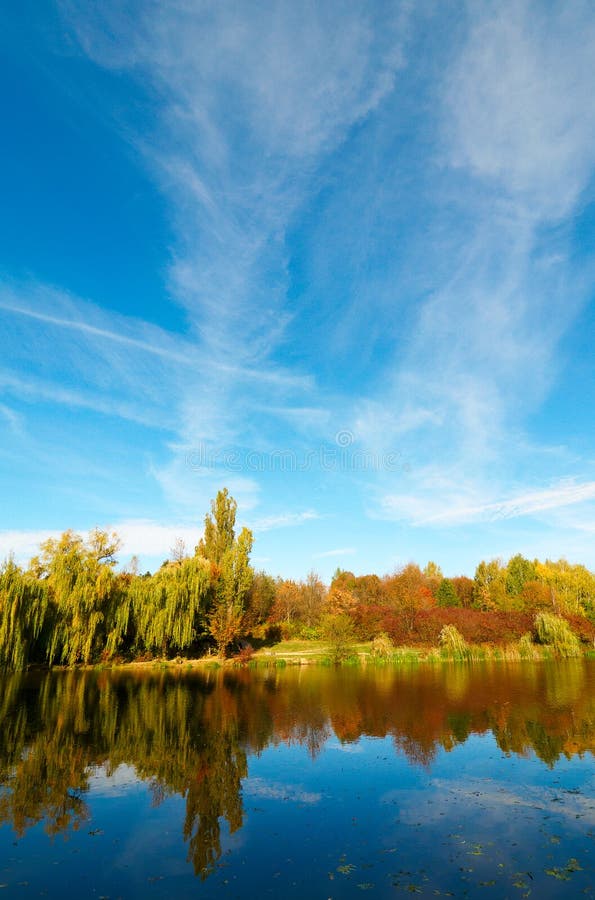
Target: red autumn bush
x,y
476,626
584,630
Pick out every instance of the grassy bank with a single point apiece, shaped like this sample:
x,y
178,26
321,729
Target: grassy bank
x,y
318,652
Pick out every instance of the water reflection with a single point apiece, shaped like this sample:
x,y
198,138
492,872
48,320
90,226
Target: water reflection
x,y
191,735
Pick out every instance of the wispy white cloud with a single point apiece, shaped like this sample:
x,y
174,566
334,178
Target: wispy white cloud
x,y
531,129
104,782
86,328
256,102
499,800
284,520
189,489
340,551
515,152
429,509
31,388
12,418
349,748
147,538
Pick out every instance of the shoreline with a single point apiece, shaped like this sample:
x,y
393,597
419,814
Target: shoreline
x,y
360,655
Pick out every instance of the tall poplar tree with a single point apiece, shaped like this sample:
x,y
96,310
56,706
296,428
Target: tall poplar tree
x,y
232,573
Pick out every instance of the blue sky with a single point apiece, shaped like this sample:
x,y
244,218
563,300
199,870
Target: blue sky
x,y
337,257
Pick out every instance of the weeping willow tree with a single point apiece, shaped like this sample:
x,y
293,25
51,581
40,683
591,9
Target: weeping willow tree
x,y
23,607
119,616
170,607
233,574
80,583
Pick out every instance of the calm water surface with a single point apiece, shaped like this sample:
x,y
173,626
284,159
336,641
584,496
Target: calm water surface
x,y
457,780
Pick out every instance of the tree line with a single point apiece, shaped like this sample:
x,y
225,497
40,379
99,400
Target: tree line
x,y
72,605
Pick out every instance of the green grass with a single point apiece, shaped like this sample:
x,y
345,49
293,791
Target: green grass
x,y
301,651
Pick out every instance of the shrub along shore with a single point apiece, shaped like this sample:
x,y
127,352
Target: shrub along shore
x,y
72,606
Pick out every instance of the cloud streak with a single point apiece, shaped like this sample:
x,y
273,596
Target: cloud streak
x,y
423,511
340,551
284,520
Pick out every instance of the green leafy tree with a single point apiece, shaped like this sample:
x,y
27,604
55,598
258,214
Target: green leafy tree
x,y
339,632
489,590
518,572
446,594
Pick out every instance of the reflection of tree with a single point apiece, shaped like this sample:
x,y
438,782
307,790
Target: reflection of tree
x,y
181,736
44,779
47,785
422,754
213,785
190,735
214,793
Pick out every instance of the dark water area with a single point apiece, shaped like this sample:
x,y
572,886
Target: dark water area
x,y
464,780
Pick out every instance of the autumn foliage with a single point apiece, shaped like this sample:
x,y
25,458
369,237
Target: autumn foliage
x,y
72,605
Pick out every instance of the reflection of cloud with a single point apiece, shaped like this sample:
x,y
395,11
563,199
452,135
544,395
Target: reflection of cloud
x,y
480,791
345,748
105,783
489,798
274,790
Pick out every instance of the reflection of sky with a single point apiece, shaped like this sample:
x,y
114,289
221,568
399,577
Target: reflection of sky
x,y
332,826
473,814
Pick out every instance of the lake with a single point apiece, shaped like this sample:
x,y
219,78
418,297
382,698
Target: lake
x,y
464,780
